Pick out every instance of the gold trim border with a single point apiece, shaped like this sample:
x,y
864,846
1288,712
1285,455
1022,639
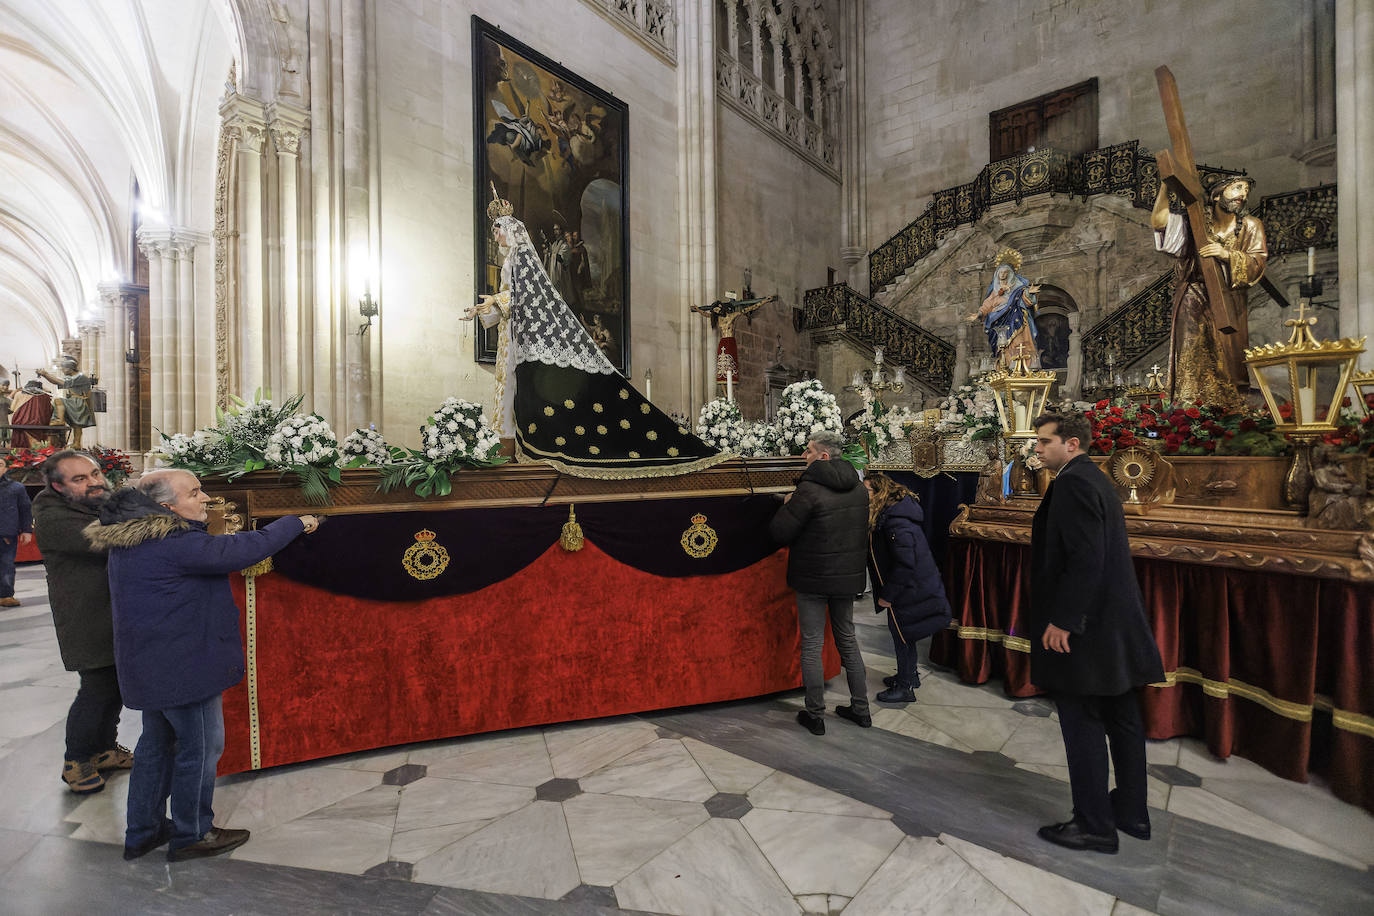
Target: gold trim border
x,y
1344,719
251,626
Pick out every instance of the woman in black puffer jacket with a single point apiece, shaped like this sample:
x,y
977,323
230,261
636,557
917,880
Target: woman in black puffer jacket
x,y
906,581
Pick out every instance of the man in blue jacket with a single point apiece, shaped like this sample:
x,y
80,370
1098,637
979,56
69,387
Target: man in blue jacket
x,y
177,649
1091,643
16,524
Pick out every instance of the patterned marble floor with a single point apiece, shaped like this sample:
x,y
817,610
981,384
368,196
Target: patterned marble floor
x,y
726,809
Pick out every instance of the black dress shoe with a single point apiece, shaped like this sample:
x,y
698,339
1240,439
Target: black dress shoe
x,y
814,724
847,712
890,681
163,834
216,842
1071,835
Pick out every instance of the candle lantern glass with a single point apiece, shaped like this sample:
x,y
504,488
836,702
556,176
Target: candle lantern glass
x,y
1310,377
1363,383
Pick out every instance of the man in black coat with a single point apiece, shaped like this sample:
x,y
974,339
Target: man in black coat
x,y
1091,644
79,592
825,521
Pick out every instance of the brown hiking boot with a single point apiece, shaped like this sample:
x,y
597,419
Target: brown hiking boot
x,y
9,602
82,777
217,841
118,757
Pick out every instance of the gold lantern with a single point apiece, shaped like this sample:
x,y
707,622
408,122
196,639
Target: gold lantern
x,y
1363,383
1020,393
1312,377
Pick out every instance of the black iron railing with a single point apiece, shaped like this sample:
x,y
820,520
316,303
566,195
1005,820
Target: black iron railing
x,y
1121,169
926,356
1130,332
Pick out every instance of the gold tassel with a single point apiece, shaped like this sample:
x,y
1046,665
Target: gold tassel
x,y
571,538
259,569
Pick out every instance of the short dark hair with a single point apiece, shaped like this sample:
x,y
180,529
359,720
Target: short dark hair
x,y
1068,426
51,472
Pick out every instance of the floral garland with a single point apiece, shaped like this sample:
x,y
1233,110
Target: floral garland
x,y
364,447
805,410
721,425
456,436
307,447
1354,433
26,463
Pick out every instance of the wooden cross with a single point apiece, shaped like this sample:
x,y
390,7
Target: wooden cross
x,y
1178,171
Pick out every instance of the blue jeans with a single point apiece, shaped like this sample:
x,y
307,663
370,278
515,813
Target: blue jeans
x,y
9,546
176,757
811,614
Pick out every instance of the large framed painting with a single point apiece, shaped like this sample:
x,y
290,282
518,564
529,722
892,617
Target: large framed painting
x,y
557,148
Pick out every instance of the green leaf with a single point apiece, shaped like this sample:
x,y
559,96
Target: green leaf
x,y
335,475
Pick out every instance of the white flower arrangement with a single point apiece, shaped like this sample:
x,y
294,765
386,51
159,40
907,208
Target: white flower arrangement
x,y
458,432
363,447
879,426
201,450
253,424
456,436
302,442
970,412
721,425
805,409
760,440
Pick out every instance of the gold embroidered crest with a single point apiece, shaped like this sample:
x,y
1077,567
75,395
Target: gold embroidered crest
x,y
699,540
425,559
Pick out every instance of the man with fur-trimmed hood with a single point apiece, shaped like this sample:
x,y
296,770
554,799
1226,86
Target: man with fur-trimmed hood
x,y
177,649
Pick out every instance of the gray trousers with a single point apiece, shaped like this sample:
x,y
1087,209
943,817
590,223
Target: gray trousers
x,y
811,621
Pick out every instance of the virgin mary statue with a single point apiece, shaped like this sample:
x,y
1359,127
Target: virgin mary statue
x,y
557,395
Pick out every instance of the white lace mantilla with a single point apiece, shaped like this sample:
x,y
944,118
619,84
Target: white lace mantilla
x,y
544,328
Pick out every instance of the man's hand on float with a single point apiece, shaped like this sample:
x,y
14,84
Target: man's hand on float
x,y
1055,639
26,538
310,522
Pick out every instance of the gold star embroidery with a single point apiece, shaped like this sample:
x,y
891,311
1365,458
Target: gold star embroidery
x,y
569,404
598,408
644,408
651,435
672,451
624,394
559,440
548,411
580,430
601,430
594,450
634,454
624,424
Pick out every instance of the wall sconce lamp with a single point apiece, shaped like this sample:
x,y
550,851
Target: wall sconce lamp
x,y
369,308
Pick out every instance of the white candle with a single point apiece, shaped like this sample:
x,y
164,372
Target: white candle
x,y
1311,261
729,386
648,387
1307,405
1019,410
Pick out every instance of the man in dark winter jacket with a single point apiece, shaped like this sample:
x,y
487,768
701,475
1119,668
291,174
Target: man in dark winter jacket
x,y
178,648
825,523
1091,644
79,593
16,522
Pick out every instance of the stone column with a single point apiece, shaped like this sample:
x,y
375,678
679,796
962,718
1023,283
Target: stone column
x,y
961,367
114,429
156,247
756,58
731,27
1355,168
286,124
853,240
91,333
182,398
697,193
243,117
